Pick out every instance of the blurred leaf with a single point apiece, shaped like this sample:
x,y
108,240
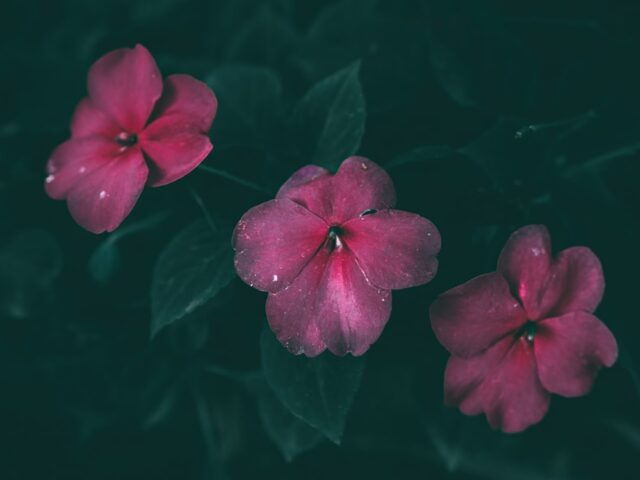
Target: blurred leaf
x,y
329,121
266,38
424,154
292,435
451,73
250,104
190,271
105,260
29,264
318,390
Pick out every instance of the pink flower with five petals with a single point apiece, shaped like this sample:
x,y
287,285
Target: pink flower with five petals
x,y
524,332
133,129
329,249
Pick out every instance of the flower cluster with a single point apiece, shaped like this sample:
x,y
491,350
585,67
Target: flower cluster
x,y
330,248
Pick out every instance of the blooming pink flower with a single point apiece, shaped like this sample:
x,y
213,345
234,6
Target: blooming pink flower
x,y
133,129
526,331
328,250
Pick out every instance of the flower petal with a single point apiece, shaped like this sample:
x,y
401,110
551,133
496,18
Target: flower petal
x,y
351,312
175,146
301,177
525,262
74,160
88,120
125,84
470,317
185,95
570,350
274,241
502,382
330,305
576,282
102,200
358,185
395,249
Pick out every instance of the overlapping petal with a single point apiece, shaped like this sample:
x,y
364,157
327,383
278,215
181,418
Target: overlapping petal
x,y
395,249
330,305
184,95
358,185
102,200
525,262
74,160
570,350
274,241
473,316
125,84
174,145
88,120
502,382
575,283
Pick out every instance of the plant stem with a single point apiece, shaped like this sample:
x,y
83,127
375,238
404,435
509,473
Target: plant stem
x,y
235,179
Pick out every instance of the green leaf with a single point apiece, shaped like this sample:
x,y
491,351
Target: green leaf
x,y
191,271
424,154
250,103
291,435
329,121
104,262
318,390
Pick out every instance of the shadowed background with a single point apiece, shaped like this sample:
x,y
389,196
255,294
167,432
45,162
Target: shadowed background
x,y
487,115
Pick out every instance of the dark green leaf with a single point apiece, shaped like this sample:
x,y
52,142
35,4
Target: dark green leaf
x,y
292,435
250,103
191,270
105,261
421,155
329,121
318,390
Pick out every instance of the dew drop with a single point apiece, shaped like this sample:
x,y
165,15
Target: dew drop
x,y
102,195
275,278
364,166
82,169
50,178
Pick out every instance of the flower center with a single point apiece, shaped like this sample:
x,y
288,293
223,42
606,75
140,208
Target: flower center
x,y
333,237
126,139
528,331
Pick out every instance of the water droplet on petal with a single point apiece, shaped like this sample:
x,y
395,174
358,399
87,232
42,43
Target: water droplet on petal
x,y
102,195
50,178
275,278
82,169
364,166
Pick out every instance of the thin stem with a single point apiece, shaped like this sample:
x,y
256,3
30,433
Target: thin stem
x,y
233,178
203,208
207,432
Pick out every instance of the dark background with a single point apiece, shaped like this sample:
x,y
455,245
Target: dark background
x,y
489,115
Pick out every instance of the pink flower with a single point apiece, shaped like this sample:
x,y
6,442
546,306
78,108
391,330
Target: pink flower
x,y
328,250
133,129
526,331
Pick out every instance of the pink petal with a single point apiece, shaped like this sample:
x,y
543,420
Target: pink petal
x,y
330,303
576,282
185,95
102,200
274,241
470,317
395,249
74,160
300,177
292,312
570,350
351,312
90,121
502,382
125,84
175,146
525,262
358,185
